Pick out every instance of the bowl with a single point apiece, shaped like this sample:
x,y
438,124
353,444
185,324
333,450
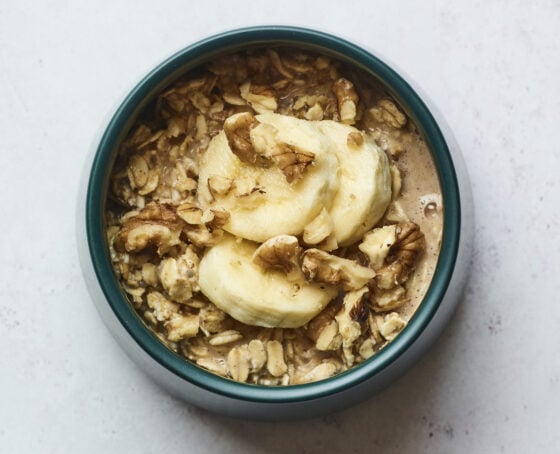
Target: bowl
x,y
209,391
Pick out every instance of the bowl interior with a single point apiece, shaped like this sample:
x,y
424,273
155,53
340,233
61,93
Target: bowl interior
x,y
179,64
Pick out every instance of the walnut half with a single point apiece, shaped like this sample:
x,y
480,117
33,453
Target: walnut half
x,y
238,133
280,252
403,254
291,161
320,266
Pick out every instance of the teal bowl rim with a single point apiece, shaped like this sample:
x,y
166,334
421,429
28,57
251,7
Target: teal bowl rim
x,y
192,56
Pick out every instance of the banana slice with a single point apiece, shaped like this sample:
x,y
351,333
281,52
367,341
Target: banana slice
x,y
364,191
261,202
233,282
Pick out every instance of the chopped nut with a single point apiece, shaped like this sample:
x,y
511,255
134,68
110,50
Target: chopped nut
x,y
347,100
387,112
237,129
262,99
320,266
377,243
212,319
280,252
149,274
190,213
275,358
390,325
402,256
291,161
388,300
366,349
349,328
157,224
323,329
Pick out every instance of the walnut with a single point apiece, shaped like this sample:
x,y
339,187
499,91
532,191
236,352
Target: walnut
x,y
388,113
291,161
261,99
377,243
191,213
402,257
387,300
347,100
351,329
212,319
238,133
280,252
156,225
323,329
390,325
320,266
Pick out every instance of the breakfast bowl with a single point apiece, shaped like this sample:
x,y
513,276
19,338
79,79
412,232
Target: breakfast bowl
x,y
160,222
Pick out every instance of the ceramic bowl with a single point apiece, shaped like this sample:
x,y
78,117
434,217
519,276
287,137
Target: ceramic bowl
x,y
210,391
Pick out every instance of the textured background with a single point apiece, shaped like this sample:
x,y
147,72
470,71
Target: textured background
x,y
492,381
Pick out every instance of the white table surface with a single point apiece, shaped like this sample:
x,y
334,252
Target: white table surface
x,y
492,382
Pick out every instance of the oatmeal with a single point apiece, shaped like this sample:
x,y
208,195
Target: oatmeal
x,y
274,217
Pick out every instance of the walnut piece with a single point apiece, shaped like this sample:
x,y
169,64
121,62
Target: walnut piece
x,y
350,328
261,99
347,99
291,161
402,257
387,112
320,266
377,243
238,133
390,325
156,225
323,329
280,252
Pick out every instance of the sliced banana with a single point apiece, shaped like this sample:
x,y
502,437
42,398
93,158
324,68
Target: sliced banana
x,y
261,202
230,279
364,191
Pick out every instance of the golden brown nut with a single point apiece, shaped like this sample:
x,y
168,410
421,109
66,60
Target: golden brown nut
x,y
156,225
347,99
388,113
291,161
238,133
402,257
320,266
279,252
